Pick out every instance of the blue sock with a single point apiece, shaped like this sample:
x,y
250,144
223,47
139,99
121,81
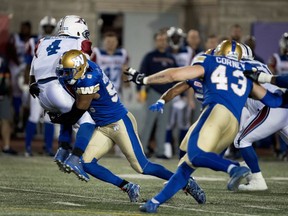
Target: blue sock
x,y
251,159
29,134
102,173
48,136
176,182
65,134
157,170
169,138
84,135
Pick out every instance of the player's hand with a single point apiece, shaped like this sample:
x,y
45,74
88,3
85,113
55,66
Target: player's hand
x,y
54,117
34,89
252,74
158,106
134,76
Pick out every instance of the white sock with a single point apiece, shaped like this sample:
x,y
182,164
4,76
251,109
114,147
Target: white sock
x,y
230,168
154,201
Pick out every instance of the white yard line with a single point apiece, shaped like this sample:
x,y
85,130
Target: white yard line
x,y
261,207
67,203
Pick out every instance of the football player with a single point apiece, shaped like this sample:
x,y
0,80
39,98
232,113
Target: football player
x,y
226,91
263,121
114,123
47,26
181,104
111,59
73,33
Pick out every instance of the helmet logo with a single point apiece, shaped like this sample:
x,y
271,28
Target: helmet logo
x,y
78,60
81,20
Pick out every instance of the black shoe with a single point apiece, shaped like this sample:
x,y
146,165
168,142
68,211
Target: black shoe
x,y
9,151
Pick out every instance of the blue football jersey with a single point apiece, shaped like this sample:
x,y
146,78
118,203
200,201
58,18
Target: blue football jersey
x,y
107,108
224,82
197,86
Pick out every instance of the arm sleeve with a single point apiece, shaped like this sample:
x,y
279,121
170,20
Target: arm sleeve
x,y
282,81
276,99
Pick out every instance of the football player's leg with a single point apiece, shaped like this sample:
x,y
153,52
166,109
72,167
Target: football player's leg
x,y
34,116
259,126
48,135
203,150
129,143
99,146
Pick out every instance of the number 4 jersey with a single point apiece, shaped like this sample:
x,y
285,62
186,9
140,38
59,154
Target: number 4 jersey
x,y
107,108
224,82
50,49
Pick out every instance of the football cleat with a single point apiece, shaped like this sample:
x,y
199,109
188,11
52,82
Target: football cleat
x,y
236,175
73,164
133,191
195,191
256,183
60,156
149,207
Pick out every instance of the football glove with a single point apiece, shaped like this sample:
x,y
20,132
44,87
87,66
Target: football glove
x,y
34,89
158,106
134,76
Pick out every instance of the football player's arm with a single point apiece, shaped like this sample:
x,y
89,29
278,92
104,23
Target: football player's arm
x,y
175,74
268,98
80,106
176,90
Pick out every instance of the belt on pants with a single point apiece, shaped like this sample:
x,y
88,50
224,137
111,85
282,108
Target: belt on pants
x,y
43,81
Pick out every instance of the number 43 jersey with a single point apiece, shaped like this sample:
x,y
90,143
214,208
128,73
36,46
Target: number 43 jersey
x,y
107,108
49,50
224,82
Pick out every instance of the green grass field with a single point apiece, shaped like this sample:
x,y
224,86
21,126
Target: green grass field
x,y
35,186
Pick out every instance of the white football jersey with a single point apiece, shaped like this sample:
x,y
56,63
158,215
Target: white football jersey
x,y
111,64
184,56
49,51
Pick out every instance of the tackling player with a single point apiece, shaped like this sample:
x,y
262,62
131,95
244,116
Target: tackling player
x,y
114,123
226,91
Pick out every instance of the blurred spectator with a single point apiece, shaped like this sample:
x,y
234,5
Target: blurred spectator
x,y
278,63
180,117
251,42
236,32
17,65
5,106
154,61
46,28
194,40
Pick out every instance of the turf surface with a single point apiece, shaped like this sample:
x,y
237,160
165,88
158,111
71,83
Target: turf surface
x,y
35,186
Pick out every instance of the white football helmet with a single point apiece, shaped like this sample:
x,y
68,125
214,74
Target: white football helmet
x,y
283,44
47,25
247,53
74,26
175,37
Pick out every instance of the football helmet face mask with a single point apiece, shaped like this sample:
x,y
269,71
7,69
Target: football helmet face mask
x,y
72,66
175,37
283,44
47,25
230,49
247,53
74,26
